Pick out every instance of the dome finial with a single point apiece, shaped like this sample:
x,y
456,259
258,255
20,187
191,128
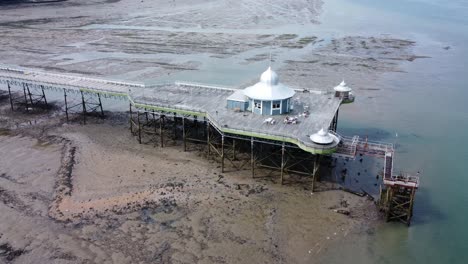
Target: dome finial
x,y
269,77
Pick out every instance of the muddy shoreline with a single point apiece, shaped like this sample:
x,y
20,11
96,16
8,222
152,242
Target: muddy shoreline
x,y
175,207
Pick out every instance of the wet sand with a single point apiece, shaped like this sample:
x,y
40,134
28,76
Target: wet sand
x,y
76,194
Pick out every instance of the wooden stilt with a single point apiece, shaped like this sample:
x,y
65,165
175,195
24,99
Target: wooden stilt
x,y
161,135
233,149
84,107
175,126
10,96
410,208
183,133
208,137
282,162
25,96
155,129
252,159
389,202
29,95
43,94
131,119
66,104
315,171
222,153
100,104
139,127
203,130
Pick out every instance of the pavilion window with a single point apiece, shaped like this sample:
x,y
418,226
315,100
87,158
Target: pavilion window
x,y
276,106
258,105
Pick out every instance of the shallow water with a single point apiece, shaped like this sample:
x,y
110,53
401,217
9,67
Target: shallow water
x,y
424,111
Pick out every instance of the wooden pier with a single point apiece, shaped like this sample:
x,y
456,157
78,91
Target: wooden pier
x,y
184,113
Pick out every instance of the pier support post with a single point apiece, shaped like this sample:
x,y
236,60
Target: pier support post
x,y
131,118
222,153
410,208
397,203
84,107
175,126
161,135
184,138
100,104
10,96
315,171
155,129
252,158
233,149
25,97
389,203
139,127
29,95
208,137
282,162
43,95
66,104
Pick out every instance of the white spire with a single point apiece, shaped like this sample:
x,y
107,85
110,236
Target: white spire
x,y
269,77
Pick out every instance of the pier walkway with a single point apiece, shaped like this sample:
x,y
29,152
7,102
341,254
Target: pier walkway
x,y
313,111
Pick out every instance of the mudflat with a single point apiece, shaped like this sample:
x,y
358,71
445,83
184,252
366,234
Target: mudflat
x,y
90,194
76,194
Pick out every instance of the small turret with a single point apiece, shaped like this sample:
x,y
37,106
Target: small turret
x,y
344,92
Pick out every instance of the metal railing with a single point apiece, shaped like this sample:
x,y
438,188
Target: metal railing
x,y
204,85
404,179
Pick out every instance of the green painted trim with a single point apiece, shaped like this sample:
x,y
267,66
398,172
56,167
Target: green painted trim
x,y
279,138
236,131
347,101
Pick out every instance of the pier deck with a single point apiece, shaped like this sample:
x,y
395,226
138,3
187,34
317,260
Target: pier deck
x,y
211,102
202,101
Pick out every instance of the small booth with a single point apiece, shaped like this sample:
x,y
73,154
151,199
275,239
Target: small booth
x,y
267,97
238,101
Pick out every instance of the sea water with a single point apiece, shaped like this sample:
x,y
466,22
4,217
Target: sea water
x,y
424,111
